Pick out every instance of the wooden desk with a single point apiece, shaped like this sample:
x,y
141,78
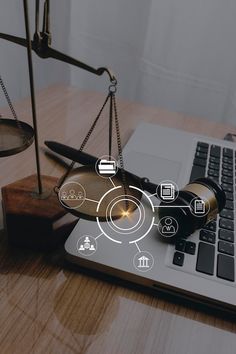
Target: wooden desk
x,y
45,308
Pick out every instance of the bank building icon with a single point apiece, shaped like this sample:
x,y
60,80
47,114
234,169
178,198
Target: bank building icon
x,y
143,262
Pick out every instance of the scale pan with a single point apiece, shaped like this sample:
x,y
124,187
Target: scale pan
x,y
98,194
14,136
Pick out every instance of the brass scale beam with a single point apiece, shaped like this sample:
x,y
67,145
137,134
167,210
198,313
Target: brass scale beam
x,y
41,45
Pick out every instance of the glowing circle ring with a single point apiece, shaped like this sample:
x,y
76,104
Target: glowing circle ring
x,y
118,229
108,222
128,200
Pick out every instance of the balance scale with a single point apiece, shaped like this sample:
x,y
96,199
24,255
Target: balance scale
x,y
33,215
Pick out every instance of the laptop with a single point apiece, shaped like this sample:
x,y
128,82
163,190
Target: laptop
x,y
200,268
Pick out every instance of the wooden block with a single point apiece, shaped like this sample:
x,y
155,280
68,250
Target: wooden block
x,y
32,222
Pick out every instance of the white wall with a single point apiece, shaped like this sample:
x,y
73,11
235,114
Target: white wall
x,y
109,33
13,58
178,54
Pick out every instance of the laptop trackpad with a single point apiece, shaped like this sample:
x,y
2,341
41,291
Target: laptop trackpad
x,y
155,168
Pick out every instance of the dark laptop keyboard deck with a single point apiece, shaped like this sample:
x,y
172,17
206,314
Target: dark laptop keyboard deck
x,y
215,250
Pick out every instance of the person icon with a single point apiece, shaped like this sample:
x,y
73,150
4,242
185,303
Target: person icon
x,y
64,195
72,195
87,245
168,227
80,195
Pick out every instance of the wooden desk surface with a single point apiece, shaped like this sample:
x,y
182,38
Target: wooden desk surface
x,y
45,308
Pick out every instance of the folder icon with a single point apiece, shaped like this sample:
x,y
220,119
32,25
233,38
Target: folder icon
x,y
106,167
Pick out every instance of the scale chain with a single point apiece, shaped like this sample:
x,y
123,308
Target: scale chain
x,y
119,146
110,125
83,144
4,89
113,107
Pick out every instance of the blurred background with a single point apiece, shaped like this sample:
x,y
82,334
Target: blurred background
x,y
175,54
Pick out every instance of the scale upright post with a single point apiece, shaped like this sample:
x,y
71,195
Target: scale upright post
x,y
32,93
31,209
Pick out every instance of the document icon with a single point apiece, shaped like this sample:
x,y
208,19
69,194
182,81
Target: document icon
x,y
167,191
199,206
107,167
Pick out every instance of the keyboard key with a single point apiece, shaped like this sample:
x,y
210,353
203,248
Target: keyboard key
x,y
227,214
214,160
228,180
227,173
215,151
225,267
213,173
226,235
199,162
226,247
226,166
228,160
227,187
201,155
214,166
229,205
197,172
207,236
228,152
178,259
210,226
226,224
229,196
204,145
205,258
190,247
201,149
180,245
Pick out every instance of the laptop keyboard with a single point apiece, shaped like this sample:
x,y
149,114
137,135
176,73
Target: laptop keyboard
x,y
213,247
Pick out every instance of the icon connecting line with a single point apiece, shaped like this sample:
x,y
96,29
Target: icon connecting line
x,y
112,182
99,236
153,195
137,246
92,200
172,206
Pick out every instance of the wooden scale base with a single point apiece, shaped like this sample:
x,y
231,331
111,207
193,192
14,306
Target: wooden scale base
x,y
32,220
